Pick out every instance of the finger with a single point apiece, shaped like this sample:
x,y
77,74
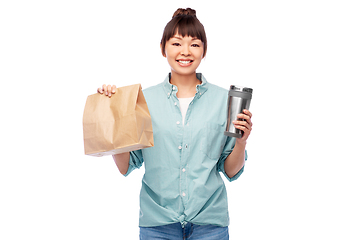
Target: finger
x,y
108,89
101,89
243,116
242,124
248,120
247,112
113,89
246,117
104,89
245,129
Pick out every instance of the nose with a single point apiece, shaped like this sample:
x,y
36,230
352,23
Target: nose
x,y
186,51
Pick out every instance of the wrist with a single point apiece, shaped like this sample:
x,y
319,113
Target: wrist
x,y
240,143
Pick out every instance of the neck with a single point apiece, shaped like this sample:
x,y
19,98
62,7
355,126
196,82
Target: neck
x,y
186,84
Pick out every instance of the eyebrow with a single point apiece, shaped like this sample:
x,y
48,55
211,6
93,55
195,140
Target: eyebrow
x,y
180,38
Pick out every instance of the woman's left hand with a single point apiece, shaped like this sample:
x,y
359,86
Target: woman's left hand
x,y
244,125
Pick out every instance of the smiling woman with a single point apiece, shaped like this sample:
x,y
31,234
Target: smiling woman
x,y
184,23
184,54
182,193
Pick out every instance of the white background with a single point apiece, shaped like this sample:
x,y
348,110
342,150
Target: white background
x,y
301,180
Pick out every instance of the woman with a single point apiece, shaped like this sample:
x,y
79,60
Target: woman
x,y
183,194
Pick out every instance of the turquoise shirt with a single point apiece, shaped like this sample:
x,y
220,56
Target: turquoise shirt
x,y
182,182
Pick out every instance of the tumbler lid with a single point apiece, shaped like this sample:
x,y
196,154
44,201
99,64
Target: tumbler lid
x,y
241,89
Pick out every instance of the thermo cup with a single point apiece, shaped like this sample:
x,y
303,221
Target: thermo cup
x,y
238,99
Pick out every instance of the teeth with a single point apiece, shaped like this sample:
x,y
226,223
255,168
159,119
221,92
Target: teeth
x,y
184,62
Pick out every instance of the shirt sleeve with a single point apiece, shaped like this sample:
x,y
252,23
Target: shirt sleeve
x,y
136,161
228,148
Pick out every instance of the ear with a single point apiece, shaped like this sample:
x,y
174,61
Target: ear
x,y
161,51
204,53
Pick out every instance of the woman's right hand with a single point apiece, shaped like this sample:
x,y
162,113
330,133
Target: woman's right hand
x,y
108,90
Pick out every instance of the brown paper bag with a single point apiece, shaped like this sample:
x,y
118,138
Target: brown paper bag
x,y
118,124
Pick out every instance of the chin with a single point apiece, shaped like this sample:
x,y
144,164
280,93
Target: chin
x,y
184,73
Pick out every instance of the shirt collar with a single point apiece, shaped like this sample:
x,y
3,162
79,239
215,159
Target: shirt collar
x,y
200,88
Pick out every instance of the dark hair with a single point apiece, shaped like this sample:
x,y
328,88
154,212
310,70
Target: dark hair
x,y
185,23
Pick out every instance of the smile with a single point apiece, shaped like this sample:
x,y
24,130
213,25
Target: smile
x,y
185,63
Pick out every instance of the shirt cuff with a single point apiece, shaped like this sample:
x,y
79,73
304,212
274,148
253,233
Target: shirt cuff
x,y
130,169
135,161
237,175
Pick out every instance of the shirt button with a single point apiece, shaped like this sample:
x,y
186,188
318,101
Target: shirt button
x,y
186,146
175,104
174,88
178,122
168,94
183,169
180,147
183,194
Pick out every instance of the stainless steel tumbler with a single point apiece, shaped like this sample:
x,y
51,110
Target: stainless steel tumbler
x,y
238,99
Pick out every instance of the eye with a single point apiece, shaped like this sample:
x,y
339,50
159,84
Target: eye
x,y
176,44
195,45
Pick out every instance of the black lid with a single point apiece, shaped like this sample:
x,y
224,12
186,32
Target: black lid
x,y
241,89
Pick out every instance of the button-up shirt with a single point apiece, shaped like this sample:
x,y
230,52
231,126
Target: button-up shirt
x,y
182,182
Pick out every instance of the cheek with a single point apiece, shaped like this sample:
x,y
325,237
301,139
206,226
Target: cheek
x,y
200,53
169,53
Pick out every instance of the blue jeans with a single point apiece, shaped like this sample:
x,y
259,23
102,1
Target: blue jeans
x,y
189,232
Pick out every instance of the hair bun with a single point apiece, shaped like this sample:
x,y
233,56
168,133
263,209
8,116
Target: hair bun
x,y
182,11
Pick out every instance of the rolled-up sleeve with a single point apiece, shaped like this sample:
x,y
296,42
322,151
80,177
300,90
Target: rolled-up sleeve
x,y
228,148
136,161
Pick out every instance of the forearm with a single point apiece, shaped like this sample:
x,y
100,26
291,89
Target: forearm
x,y
122,162
236,160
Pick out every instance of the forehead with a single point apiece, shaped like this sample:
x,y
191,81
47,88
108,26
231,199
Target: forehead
x,y
187,37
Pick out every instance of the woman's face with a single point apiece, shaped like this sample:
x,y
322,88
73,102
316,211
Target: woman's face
x,y
184,54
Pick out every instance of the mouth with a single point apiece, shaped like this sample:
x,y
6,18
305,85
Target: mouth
x,y
185,62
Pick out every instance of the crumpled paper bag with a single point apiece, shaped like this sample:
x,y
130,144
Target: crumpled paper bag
x,y
118,124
